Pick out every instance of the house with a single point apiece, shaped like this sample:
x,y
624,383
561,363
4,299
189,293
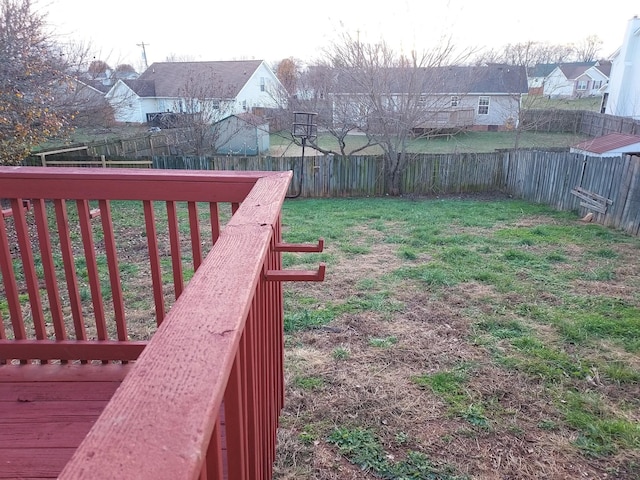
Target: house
x,y
84,102
487,96
454,97
212,89
577,80
242,134
622,97
537,75
611,145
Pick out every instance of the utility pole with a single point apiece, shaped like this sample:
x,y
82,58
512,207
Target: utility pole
x,y
144,53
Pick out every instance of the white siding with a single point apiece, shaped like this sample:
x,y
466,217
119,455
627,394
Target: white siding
x,y
254,95
557,85
624,82
126,104
503,109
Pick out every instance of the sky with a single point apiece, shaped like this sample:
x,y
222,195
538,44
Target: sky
x,y
272,30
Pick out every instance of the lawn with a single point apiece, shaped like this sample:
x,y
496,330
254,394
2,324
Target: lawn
x,y
460,338
463,142
281,144
540,102
453,338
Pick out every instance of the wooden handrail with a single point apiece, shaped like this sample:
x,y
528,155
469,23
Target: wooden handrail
x,y
160,422
127,184
218,352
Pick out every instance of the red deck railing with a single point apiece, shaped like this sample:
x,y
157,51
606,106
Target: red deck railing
x,y
203,396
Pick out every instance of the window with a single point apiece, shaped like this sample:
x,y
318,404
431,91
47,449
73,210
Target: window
x,y
422,101
582,84
454,100
263,84
597,84
483,106
603,106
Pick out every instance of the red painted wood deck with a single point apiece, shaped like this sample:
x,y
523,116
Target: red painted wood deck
x,y
46,411
204,393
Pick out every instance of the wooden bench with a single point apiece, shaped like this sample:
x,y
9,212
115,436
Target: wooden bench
x,y
201,398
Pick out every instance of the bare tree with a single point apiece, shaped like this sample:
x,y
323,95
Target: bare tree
x,y
204,100
99,69
314,93
527,54
176,57
389,97
588,49
125,70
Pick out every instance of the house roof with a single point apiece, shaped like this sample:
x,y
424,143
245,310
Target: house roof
x,y
490,79
569,69
573,71
96,84
606,143
224,79
142,88
493,78
246,117
542,69
605,68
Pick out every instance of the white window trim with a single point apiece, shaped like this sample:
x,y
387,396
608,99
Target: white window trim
x,y
485,105
455,100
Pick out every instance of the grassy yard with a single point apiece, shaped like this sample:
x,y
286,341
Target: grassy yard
x,y
453,338
281,144
464,142
540,102
460,338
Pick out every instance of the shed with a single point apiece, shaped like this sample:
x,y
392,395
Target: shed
x,y
242,134
611,145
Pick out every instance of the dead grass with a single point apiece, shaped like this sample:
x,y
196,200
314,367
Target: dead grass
x,y
390,324
525,435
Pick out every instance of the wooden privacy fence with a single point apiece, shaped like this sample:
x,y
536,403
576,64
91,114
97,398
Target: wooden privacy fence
x,y
550,178
536,175
583,122
336,176
596,124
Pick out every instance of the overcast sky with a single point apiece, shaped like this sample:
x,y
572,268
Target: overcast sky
x,y
276,29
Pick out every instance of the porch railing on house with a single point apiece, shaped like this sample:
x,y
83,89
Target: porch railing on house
x,y
201,398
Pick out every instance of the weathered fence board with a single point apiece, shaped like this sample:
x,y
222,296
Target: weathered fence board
x,y
548,178
537,176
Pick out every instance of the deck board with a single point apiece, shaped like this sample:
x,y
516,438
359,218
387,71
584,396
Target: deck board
x,y
46,412
43,422
33,462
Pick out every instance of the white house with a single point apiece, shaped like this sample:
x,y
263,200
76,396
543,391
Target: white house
x,y
622,97
611,145
577,79
537,75
456,97
226,87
